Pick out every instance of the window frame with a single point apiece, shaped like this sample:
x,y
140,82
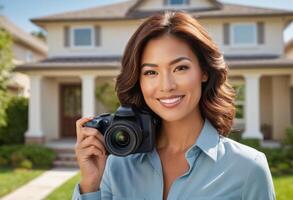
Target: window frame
x,y
232,35
183,4
72,39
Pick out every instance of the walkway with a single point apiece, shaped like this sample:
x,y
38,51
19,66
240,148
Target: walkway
x,y
43,185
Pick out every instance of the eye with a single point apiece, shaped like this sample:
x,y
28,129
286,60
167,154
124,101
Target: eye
x,y
149,72
181,67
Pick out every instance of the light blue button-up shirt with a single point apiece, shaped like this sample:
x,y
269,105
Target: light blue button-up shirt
x,y
219,169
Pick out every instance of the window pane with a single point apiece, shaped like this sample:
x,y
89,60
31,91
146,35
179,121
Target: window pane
x,y
244,34
176,2
82,37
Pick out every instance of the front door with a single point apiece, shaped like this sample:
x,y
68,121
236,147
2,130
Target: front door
x,y
70,108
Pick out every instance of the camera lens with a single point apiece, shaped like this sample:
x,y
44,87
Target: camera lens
x,y
121,138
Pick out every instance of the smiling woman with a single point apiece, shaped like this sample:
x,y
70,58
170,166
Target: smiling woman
x,y
172,68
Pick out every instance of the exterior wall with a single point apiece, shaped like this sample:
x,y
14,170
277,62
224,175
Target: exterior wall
x,y
20,53
280,105
113,43
158,5
273,32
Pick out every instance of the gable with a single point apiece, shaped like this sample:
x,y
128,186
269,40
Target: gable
x,y
148,5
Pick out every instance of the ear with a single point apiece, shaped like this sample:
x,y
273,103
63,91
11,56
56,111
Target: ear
x,y
205,77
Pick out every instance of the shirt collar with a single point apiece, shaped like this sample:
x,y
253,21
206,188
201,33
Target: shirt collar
x,y
207,141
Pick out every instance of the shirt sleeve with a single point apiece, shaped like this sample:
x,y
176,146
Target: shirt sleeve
x,y
104,192
87,196
259,183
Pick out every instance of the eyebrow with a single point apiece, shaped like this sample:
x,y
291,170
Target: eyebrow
x,y
171,63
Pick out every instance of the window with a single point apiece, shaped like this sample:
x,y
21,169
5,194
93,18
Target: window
x,y
243,34
82,37
176,2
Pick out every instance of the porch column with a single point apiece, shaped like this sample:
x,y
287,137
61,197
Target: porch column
x,y
252,109
35,132
88,95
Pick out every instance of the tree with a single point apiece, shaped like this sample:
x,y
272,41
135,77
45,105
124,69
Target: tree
x,y
5,70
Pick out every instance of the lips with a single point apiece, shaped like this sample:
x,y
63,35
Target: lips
x,y
171,101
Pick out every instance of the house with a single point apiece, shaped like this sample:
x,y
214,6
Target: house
x,y
85,49
25,48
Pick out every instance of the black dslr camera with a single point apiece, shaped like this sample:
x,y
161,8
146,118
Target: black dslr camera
x,y
127,131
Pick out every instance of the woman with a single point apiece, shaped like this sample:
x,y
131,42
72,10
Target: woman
x,y
172,67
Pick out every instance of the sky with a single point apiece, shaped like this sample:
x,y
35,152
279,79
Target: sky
x,y
21,11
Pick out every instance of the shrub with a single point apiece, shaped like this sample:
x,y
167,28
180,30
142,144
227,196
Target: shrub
x,y
254,143
16,121
106,94
26,156
288,140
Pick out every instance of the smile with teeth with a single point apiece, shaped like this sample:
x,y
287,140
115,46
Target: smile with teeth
x,y
171,101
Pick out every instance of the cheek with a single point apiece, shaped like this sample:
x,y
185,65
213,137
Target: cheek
x,y
147,88
191,82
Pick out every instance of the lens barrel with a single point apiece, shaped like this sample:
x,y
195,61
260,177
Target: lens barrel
x,y
123,138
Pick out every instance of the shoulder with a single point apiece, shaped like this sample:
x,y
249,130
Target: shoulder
x,y
243,154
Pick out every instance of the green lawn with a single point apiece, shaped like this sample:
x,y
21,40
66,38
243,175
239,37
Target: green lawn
x,y
10,179
284,187
64,191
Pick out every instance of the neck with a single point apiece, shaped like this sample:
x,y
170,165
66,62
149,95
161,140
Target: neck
x,y
178,136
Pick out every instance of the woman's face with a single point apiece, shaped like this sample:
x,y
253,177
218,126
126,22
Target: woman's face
x,y
170,78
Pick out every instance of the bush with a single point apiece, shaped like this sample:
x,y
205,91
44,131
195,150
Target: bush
x,y
288,140
106,94
16,121
254,143
26,156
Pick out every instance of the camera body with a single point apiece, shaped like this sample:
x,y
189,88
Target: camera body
x,y
127,131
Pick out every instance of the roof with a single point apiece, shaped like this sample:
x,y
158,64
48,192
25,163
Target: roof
x,y
127,10
19,35
114,62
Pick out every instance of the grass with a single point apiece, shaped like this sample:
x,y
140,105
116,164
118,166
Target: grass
x,y
65,191
10,179
284,187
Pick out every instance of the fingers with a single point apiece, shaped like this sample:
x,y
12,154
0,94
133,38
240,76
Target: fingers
x,y
92,141
91,151
82,132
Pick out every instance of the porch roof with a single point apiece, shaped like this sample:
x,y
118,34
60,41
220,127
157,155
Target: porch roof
x,y
114,62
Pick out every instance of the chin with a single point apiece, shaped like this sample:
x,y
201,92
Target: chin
x,y
171,116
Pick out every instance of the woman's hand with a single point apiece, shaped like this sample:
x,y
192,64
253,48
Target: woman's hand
x,y
91,156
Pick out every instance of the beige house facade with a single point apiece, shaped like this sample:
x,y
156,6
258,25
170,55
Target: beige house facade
x,y
85,49
25,49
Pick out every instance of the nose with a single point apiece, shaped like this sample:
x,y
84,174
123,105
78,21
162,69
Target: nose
x,y
167,83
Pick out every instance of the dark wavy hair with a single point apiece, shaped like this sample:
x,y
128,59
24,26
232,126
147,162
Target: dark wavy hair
x,y
217,100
